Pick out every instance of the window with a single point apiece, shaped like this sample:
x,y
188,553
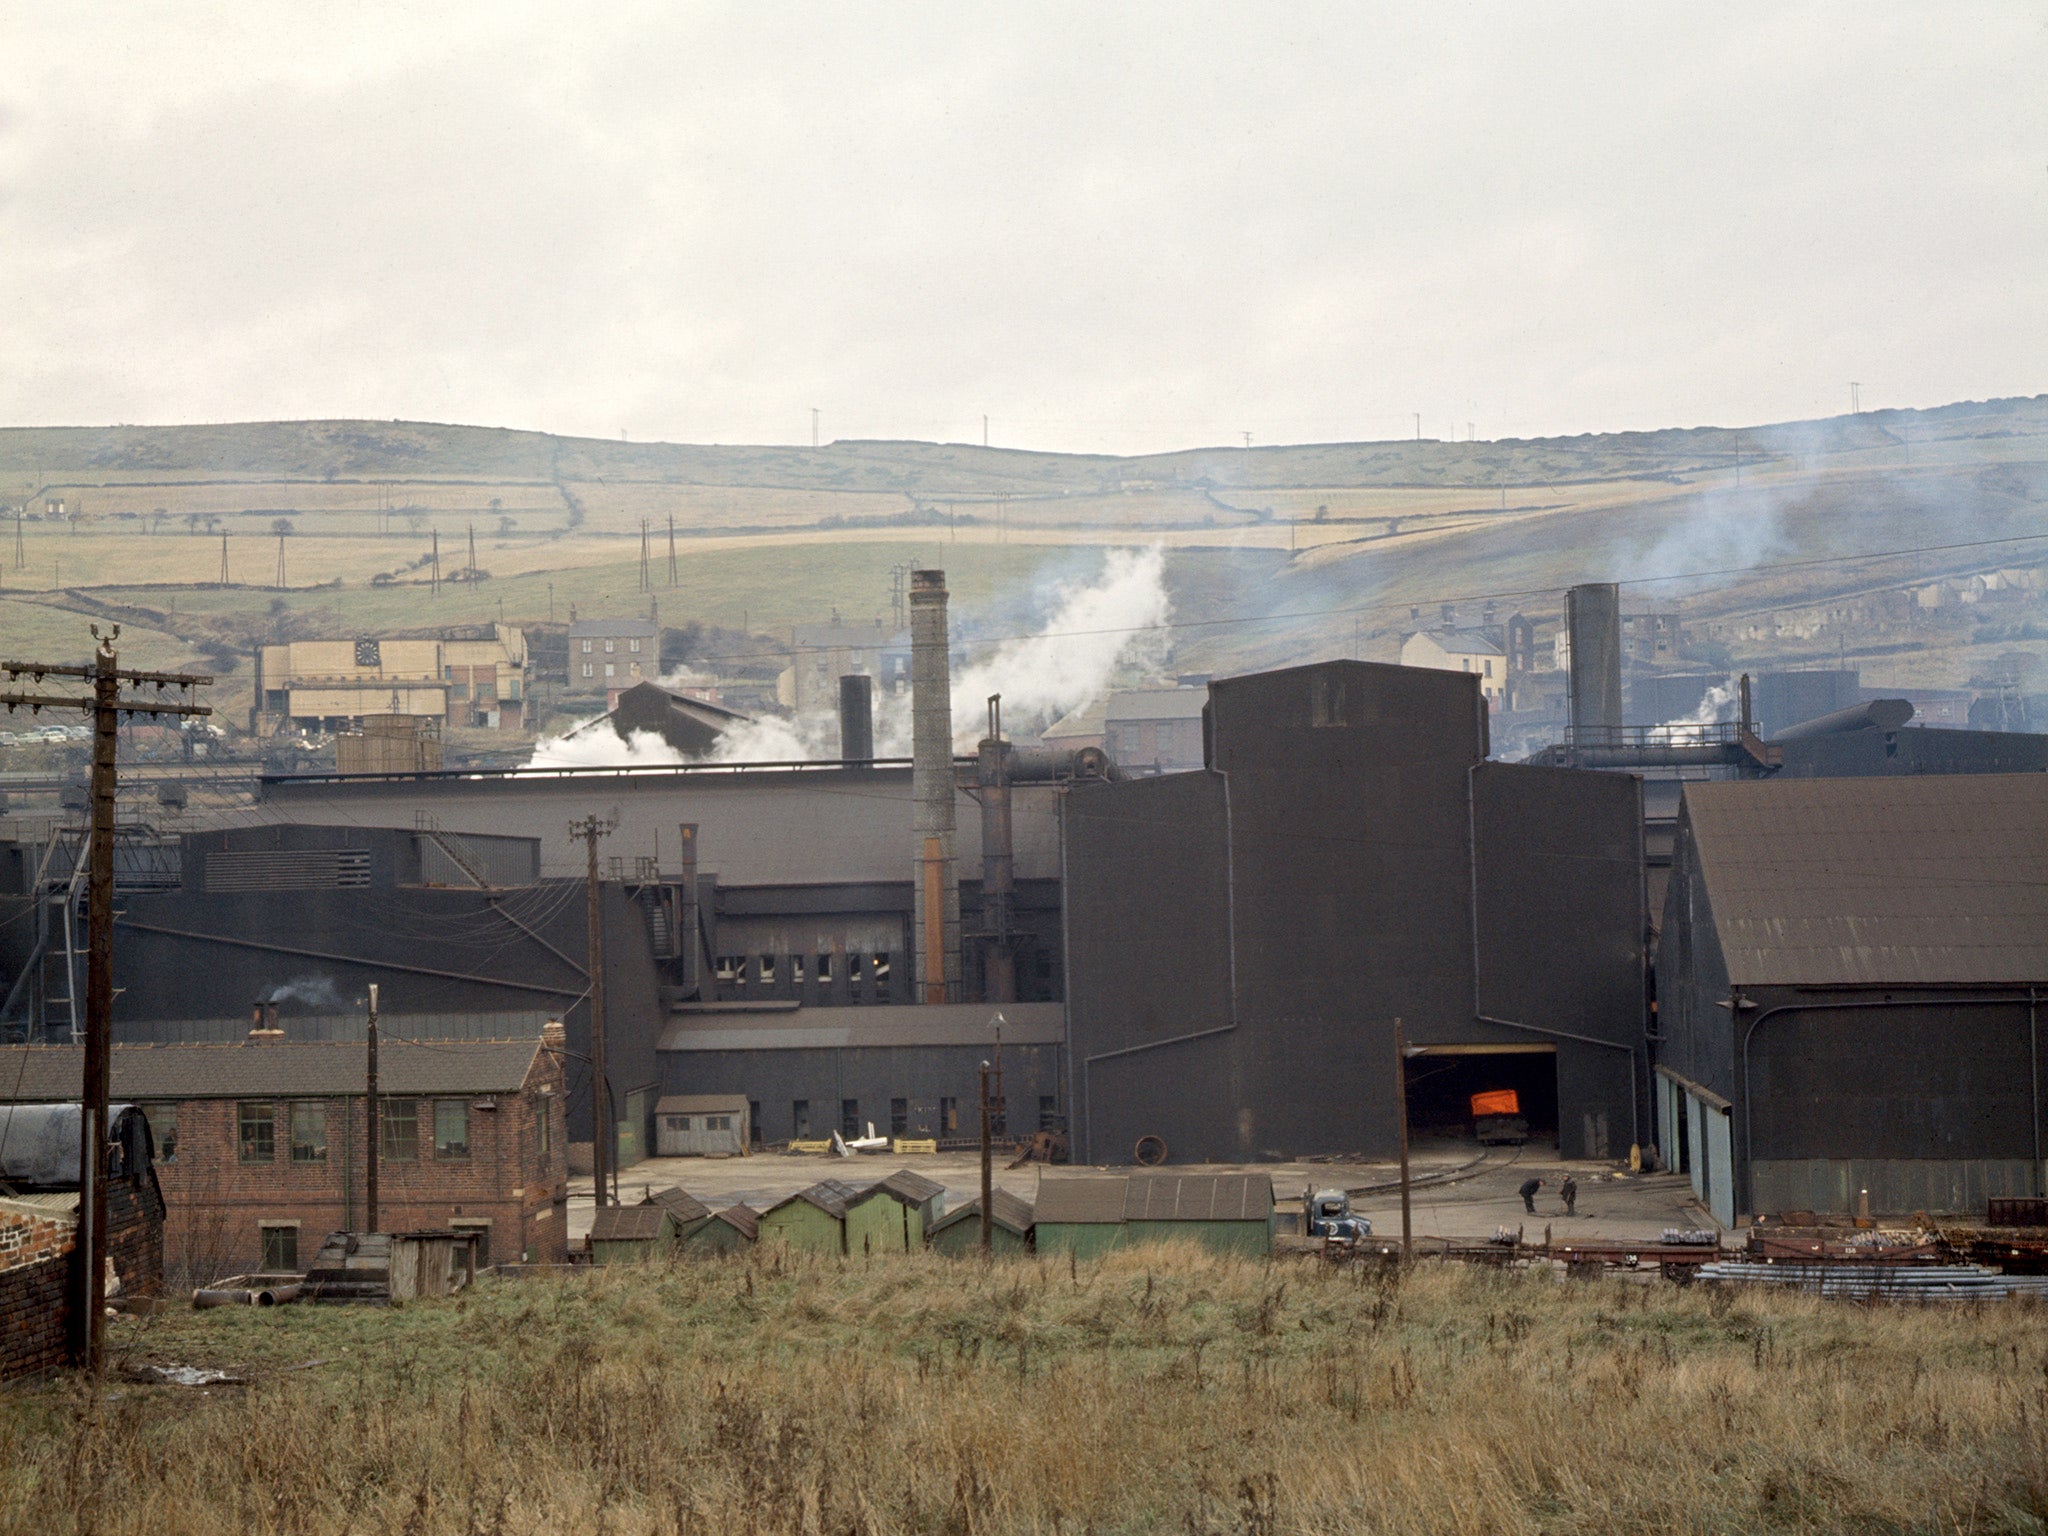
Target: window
x,y
800,1118
824,968
258,1123
1489,668
588,671
611,669
451,1129
280,1246
398,1122
610,646
545,1122
718,1122
634,668
163,1130
679,1122
1048,1112
949,1117
849,1118
586,651
309,1133
634,647
899,1117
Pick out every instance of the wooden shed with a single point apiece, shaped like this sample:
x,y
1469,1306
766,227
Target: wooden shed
x,y
381,1267
684,1209
958,1232
893,1215
625,1234
701,1125
1091,1213
728,1230
813,1218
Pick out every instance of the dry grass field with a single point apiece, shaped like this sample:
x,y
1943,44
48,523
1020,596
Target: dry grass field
x,y
1156,1391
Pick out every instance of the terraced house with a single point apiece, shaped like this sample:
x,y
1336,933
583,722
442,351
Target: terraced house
x,y
262,1149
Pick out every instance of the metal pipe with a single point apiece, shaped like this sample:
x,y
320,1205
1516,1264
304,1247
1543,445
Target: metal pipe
x,y
1157,1045
1870,715
543,943
375,1131
1592,616
1735,1005
321,954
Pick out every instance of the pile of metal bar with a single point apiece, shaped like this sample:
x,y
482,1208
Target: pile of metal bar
x,y
1878,1282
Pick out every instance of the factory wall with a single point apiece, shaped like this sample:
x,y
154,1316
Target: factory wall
x,y
1913,749
825,1077
1313,885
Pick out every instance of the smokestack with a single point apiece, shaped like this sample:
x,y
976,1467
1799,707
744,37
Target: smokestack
x,y
936,939
998,871
1592,617
856,719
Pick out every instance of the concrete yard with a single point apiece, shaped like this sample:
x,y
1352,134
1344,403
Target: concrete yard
x,y
1459,1193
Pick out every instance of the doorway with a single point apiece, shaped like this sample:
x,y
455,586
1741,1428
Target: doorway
x,y
1443,1078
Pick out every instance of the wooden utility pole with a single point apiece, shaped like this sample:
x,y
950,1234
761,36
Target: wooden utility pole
x,y
1401,1094
376,1129
987,1170
602,1129
89,1296
671,551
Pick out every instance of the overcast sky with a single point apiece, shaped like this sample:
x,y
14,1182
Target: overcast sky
x,y
1115,228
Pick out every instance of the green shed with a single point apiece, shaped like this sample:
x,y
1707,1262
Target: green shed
x,y
624,1234
958,1232
813,1218
1089,1214
727,1230
893,1215
684,1209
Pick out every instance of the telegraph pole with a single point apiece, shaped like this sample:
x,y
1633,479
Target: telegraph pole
x,y
590,829
376,1130
106,706
671,550
987,1170
1401,1089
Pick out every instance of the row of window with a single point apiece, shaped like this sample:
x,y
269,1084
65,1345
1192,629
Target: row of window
x,y
851,1124
632,646
611,669
738,970
305,1122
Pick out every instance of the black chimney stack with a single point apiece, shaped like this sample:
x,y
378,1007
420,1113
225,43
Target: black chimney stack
x,y
856,718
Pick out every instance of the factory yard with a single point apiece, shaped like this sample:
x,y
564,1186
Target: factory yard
x,y
1163,1389
1461,1190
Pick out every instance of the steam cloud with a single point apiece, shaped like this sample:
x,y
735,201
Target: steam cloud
x,y
313,991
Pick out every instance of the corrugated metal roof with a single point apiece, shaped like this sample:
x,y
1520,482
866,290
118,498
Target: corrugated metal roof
x,y
1082,1198
1198,1197
627,1223
143,1073
702,1104
1936,880
679,1203
1008,1211
1156,704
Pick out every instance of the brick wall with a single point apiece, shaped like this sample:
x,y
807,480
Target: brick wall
x,y
218,1205
33,1315
37,1259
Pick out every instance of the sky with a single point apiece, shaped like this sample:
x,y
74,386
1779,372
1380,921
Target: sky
x,y
1111,229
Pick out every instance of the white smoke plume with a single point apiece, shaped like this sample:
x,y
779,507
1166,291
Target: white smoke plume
x,y
590,744
1715,708
1097,628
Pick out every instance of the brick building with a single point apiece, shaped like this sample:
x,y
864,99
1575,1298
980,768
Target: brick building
x,y
39,1228
261,1147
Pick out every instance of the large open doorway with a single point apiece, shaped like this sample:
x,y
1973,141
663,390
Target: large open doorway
x,y
1443,1078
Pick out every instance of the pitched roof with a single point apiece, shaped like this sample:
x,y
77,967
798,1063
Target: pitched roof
x,y
616,629
912,1188
702,1104
1010,1212
832,1196
628,1223
1086,1198
284,1069
743,1219
1931,880
1198,1197
1462,642
679,1203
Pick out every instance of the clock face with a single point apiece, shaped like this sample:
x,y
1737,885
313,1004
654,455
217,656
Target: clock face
x,y
369,654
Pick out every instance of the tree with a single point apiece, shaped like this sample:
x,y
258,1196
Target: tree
x,y
281,526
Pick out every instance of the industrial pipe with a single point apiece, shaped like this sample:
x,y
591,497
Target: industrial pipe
x,y
856,718
1870,715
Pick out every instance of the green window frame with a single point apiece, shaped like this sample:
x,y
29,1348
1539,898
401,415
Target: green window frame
x,y
256,1127
451,1130
309,1132
398,1123
280,1248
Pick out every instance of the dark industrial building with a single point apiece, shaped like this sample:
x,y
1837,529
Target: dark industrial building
x,y
1850,975
1242,939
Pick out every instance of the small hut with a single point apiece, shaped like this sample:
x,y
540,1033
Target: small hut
x,y
813,1218
625,1234
893,1215
958,1232
728,1230
1089,1214
701,1125
684,1209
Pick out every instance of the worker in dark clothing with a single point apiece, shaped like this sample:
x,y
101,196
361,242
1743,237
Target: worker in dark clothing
x,y
1569,1190
1529,1189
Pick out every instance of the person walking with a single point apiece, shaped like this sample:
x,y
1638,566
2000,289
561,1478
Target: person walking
x,y
1569,1191
1529,1189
